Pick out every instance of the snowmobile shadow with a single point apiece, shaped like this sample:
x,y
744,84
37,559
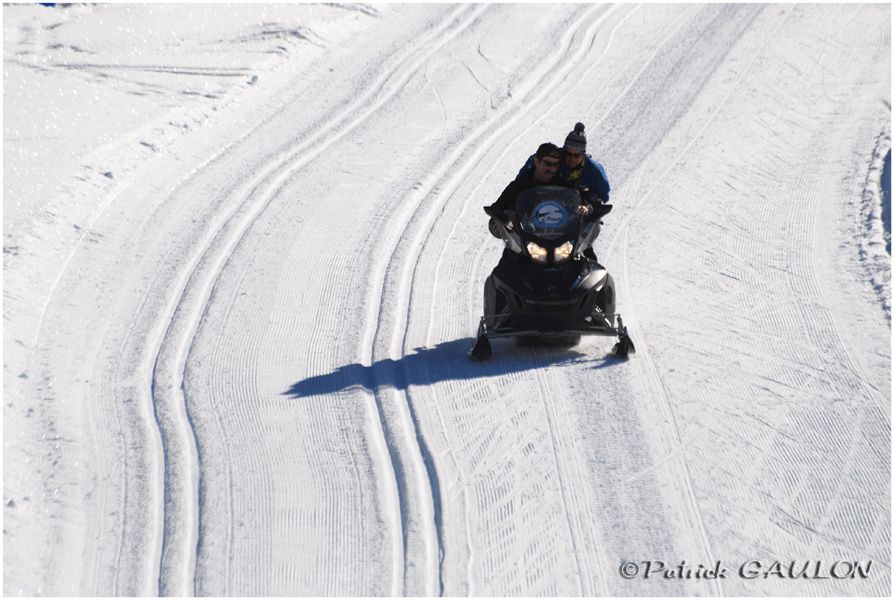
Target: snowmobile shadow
x,y
609,360
445,362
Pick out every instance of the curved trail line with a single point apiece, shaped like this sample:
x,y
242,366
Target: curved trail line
x,y
545,83
144,391
376,317
178,542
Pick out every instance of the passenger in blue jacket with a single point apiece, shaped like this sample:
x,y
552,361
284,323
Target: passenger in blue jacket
x,y
579,168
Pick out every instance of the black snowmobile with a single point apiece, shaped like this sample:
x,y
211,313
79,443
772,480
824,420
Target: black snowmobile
x,y
545,291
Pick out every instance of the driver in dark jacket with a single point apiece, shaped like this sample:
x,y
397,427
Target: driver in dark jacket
x,y
545,171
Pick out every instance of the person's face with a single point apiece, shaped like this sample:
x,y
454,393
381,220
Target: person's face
x,y
545,168
573,157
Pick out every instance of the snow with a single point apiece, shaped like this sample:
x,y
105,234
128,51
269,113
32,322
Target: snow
x,y
243,262
886,199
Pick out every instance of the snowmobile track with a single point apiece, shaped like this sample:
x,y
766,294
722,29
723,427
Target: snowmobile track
x,y
644,358
440,185
182,510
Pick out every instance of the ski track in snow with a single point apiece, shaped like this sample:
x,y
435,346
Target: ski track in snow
x,y
269,183
458,164
651,372
280,422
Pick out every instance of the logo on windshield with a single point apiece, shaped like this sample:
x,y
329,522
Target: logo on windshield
x,y
550,215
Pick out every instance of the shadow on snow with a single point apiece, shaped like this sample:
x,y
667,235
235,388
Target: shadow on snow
x,y
445,362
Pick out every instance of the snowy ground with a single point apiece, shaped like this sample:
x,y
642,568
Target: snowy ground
x,y
243,260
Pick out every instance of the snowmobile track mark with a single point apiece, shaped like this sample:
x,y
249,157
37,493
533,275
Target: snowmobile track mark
x,y
404,294
650,368
645,359
374,98
422,240
647,364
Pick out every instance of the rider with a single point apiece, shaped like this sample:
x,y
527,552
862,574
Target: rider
x,y
581,169
584,172
544,172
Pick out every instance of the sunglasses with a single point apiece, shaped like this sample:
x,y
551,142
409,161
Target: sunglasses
x,y
573,154
550,163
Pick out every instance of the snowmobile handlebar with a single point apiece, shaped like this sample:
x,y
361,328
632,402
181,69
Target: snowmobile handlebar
x,y
600,210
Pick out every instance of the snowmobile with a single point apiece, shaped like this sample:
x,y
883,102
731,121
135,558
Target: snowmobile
x,y
545,290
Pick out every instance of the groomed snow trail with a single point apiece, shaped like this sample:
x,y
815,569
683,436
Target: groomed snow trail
x,y
247,375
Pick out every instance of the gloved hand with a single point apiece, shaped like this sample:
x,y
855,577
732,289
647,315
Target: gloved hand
x,y
507,218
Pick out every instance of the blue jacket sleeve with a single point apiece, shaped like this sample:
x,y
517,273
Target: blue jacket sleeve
x,y
595,179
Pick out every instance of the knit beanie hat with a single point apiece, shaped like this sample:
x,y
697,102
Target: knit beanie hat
x,y
577,140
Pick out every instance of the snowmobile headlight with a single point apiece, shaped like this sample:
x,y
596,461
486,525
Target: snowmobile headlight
x,y
563,252
538,253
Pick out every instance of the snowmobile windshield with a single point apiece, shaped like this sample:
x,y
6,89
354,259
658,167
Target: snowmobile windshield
x,y
548,212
